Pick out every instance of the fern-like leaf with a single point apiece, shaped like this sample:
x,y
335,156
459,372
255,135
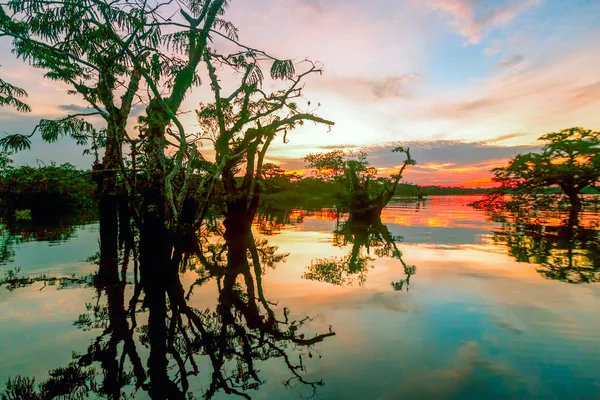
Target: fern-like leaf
x,y
283,69
15,142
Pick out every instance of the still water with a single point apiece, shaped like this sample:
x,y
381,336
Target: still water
x,y
437,301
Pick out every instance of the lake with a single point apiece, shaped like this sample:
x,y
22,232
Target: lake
x,y
438,301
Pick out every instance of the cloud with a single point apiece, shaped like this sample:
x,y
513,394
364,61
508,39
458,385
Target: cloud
x,y
388,74
136,109
338,147
541,95
444,152
351,38
447,162
366,89
511,62
313,6
441,162
464,372
490,51
506,137
467,175
585,95
473,23
74,108
393,86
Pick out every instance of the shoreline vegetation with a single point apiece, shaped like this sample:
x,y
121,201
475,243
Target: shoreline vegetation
x,y
45,192
558,177
28,192
314,193
53,190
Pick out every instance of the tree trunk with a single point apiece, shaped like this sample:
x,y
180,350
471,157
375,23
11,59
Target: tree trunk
x,y
573,217
108,213
113,381
237,227
574,198
155,252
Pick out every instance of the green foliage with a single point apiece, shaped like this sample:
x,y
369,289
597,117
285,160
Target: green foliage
x,y
23,215
307,193
569,160
51,131
52,189
364,190
98,48
21,388
436,190
331,165
10,96
283,69
15,142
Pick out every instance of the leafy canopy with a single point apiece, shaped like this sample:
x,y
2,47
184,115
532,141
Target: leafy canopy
x,y
570,159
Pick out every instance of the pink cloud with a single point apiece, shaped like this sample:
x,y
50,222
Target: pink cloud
x,y
474,27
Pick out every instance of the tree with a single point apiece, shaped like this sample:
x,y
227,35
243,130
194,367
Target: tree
x,y
270,171
10,96
116,54
366,192
570,160
243,124
72,43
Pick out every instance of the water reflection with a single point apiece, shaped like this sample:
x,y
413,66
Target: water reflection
x,y
243,330
566,249
271,222
479,319
53,229
364,234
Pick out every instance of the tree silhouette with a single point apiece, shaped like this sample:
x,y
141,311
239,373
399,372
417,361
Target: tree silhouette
x,y
366,193
570,160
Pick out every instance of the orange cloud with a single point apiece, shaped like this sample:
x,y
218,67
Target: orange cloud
x,y
295,172
472,175
481,182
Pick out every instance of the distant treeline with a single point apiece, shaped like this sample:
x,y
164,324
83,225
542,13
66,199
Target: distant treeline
x,y
408,189
59,189
44,190
311,192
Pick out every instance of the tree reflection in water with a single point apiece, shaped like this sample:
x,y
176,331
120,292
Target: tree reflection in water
x,y
364,234
54,229
568,251
241,331
271,221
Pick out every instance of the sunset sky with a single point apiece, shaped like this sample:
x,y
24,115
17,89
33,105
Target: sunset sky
x,y
465,83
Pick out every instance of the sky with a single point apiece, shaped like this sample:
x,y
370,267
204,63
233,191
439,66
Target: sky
x,y
466,84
